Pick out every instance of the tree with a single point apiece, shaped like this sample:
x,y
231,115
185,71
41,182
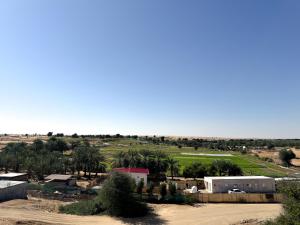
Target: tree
x,y
173,166
87,158
75,135
195,170
50,134
56,144
286,156
117,196
224,168
13,154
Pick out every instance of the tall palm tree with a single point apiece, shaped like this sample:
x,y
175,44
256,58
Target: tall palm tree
x,y
119,159
173,166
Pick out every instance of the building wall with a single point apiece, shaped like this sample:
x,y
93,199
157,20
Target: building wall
x,y
16,178
138,177
13,192
237,198
247,185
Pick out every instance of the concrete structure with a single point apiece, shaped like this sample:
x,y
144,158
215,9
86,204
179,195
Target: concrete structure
x,y
12,190
238,198
249,184
60,180
136,173
14,176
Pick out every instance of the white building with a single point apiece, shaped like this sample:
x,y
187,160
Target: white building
x,y
12,190
136,173
249,184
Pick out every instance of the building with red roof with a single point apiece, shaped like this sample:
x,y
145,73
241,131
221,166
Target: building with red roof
x,y
137,174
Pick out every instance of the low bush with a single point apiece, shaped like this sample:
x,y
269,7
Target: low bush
x,y
86,207
32,186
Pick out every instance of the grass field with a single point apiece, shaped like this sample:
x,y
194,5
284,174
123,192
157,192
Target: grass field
x,y
250,165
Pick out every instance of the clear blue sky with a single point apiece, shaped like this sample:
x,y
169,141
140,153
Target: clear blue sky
x,y
200,68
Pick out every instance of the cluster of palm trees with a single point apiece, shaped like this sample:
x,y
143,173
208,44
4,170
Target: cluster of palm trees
x,y
42,158
156,161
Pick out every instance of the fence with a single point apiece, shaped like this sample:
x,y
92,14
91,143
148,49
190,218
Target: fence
x,y
238,198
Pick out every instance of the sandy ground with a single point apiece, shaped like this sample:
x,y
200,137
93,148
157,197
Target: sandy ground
x,y
45,213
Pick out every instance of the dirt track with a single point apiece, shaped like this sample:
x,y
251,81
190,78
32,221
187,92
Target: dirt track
x,y
27,212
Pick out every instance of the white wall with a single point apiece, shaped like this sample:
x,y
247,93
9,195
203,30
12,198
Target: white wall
x,y
138,177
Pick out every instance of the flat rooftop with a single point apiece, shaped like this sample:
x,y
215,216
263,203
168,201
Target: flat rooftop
x,y
238,178
12,174
9,183
58,177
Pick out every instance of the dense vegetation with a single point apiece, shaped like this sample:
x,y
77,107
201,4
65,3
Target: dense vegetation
x,y
116,198
291,205
39,158
217,168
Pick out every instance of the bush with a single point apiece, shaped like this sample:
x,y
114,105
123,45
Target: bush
x,y
150,188
31,186
140,186
291,204
86,207
163,190
117,197
172,189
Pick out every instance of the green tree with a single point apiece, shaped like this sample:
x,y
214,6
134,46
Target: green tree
x,y
14,155
173,166
195,170
286,156
56,144
117,196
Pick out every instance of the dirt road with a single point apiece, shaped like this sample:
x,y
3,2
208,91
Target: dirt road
x,y
23,212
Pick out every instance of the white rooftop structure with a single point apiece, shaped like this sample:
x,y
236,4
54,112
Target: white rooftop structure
x,y
9,175
9,183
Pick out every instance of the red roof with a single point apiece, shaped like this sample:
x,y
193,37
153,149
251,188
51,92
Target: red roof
x,y
132,170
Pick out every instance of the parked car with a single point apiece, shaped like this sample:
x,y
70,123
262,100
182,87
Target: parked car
x,y
235,191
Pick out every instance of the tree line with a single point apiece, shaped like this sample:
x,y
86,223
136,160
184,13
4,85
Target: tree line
x,y
43,158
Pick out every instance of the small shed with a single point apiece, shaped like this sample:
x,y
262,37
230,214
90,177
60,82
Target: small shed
x,y
12,190
60,180
137,174
249,184
14,176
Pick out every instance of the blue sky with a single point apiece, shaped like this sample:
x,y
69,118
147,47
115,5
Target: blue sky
x,y
198,68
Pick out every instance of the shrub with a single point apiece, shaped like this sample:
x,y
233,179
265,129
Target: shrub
x,y
150,188
31,186
163,190
140,186
291,204
86,207
172,189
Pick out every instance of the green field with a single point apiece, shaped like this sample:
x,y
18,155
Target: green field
x,y
250,165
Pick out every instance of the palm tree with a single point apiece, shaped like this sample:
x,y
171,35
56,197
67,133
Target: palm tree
x,y
173,166
119,159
